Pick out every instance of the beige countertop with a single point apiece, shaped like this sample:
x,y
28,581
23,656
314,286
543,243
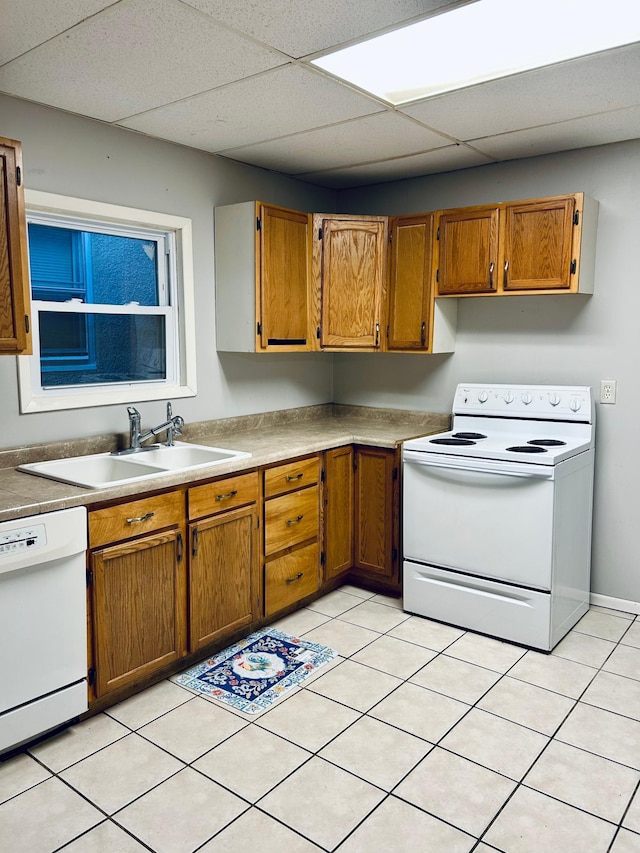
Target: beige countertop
x,y
269,437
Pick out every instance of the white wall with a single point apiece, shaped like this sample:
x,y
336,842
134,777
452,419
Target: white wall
x,y
87,159
538,339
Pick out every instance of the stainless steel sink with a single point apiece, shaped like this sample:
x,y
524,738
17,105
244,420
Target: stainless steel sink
x,y
105,469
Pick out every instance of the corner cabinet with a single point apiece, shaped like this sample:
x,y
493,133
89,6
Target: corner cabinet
x,y
224,590
349,267
15,299
538,246
137,575
338,511
262,279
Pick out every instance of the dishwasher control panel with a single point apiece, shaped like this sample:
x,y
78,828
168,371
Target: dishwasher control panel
x,y
22,539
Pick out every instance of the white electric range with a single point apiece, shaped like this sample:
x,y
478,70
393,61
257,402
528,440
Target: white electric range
x,y
497,513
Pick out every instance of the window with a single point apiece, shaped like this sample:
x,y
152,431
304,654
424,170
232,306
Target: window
x,y
112,305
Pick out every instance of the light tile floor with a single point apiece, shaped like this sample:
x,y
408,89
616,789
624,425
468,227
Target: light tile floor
x,y
421,737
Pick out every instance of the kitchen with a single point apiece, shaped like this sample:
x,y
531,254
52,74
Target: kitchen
x,y
535,339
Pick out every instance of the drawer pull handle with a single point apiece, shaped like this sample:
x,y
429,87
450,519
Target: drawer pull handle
x,y
296,520
291,477
226,497
144,517
293,580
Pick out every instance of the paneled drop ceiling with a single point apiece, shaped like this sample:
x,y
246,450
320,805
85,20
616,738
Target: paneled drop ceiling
x,y
232,77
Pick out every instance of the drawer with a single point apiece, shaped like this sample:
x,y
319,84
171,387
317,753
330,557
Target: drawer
x,y
224,494
135,517
292,475
290,578
290,519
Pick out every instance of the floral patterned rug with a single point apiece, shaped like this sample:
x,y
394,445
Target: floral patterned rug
x,y
254,673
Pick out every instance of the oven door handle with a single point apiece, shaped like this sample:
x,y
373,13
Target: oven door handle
x,y
478,466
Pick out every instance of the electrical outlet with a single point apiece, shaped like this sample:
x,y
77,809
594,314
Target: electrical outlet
x,y
608,390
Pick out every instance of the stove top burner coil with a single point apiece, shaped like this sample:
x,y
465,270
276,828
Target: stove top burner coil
x,y
453,441
473,435
527,448
547,442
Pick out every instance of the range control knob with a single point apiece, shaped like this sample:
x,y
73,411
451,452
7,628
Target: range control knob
x,y
554,399
527,398
575,403
482,396
508,397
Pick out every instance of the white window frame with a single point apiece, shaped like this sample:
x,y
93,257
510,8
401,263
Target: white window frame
x,y
179,309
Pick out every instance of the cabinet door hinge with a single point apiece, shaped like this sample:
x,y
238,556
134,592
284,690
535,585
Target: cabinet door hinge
x,y
18,175
387,331
576,217
395,473
438,275
27,325
257,522
391,236
258,224
89,577
438,233
320,233
259,328
323,476
318,332
394,554
573,267
91,676
323,558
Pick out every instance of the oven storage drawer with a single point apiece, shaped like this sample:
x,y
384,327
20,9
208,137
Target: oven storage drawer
x,y
498,609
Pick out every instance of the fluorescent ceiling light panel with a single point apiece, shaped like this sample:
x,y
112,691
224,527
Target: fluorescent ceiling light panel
x,y
483,40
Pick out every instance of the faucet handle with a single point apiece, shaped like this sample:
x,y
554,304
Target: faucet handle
x,y
178,423
169,411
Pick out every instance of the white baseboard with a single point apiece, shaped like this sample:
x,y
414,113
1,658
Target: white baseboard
x,y
615,603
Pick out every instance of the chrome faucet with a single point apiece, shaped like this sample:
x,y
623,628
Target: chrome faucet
x,y
173,426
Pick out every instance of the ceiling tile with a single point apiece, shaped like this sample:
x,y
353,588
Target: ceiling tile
x,y
593,84
441,160
255,109
27,23
577,133
301,27
134,56
377,137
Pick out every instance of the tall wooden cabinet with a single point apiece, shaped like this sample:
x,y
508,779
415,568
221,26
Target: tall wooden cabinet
x,y
338,511
138,574
15,292
263,266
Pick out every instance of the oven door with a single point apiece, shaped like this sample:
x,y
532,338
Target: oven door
x,y
491,519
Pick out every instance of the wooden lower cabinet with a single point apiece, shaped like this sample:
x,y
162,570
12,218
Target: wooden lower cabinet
x,y
338,511
222,575
376,516
139,608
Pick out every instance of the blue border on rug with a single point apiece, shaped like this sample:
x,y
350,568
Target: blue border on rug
x,y
255,672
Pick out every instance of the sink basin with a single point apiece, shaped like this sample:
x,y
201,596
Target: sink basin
x,y
104,469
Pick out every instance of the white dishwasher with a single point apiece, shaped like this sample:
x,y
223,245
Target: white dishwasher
x,y
43,630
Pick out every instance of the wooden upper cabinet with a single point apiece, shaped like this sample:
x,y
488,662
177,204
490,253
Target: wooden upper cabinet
x,y
262,278
15,301
283,316
538,245
468,250
410,269
352,259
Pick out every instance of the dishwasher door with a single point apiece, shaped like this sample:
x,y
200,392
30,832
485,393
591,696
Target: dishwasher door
x,y
43,640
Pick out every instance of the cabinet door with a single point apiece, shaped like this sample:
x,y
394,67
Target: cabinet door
x,y
409,300
338,514
139,608
468,250
15,330
352,272
284,276
538,245
375,475
222,575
